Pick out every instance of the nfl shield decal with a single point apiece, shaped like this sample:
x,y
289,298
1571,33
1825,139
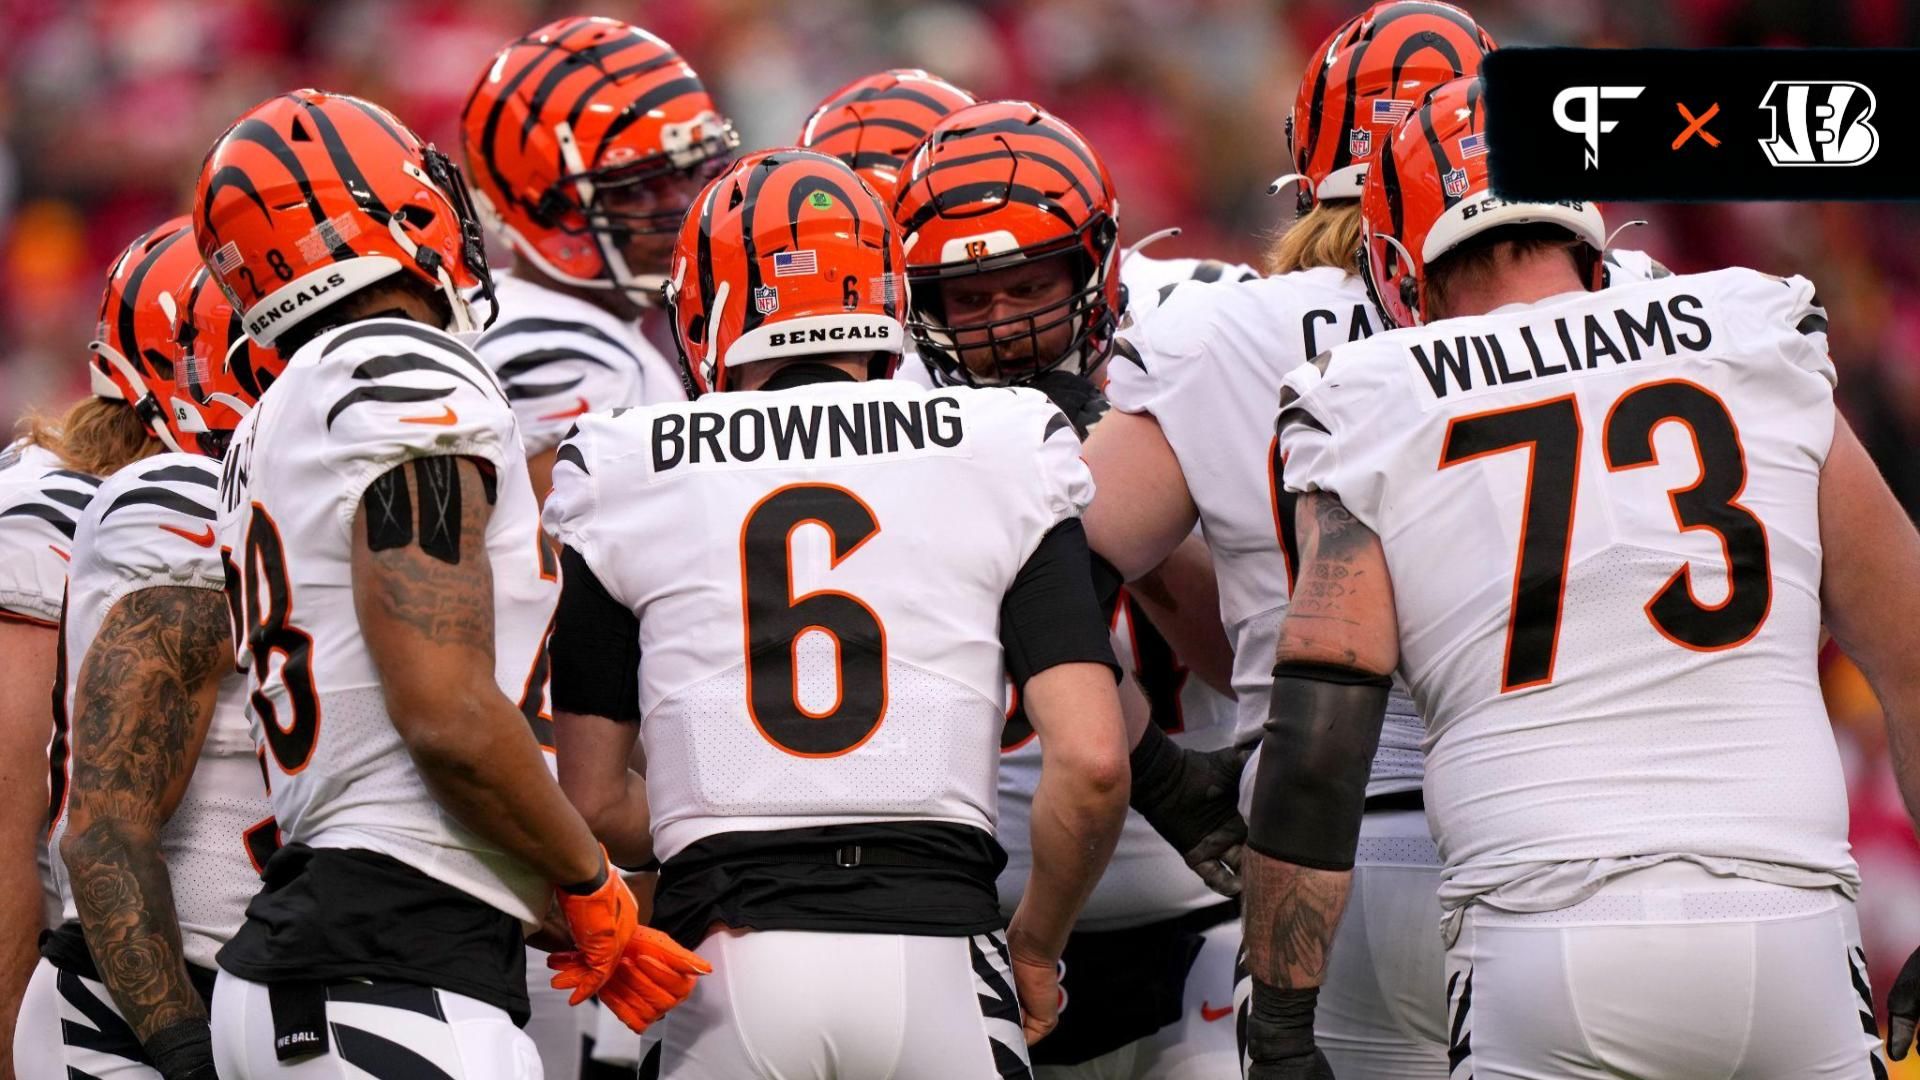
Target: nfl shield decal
x,y
1455,182
1359,142
766,300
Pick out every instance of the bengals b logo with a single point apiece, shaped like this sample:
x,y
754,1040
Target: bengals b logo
x,y
1820,123
976,249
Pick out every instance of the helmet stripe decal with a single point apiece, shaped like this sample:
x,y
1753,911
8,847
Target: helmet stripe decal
x,y
381,121
568,63
939,205
130,296
230,176
609,78
256,131
1041,131
756,178
652,99
349,170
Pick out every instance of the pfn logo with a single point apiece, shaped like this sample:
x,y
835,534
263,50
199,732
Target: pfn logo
x,y
1820,123
1588,124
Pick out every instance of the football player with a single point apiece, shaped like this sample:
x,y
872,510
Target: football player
x,y
1139,1001
56,470
1190,439
823,696
395,592
585,141
162,820
1630,768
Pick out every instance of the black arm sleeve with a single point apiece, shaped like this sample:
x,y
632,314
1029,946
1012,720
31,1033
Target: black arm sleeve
x,y
1049,616
1310,789
595,647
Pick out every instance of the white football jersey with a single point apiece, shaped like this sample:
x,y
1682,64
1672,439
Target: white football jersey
x,y
353,404
1146,880
1150,281
559,357
1207,367
151,526
40,505
781,550
1600,514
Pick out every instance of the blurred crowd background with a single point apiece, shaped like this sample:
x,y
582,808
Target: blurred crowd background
x,y
106,107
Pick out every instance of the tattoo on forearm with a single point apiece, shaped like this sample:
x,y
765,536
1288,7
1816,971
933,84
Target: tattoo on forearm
x,y
1319,611
416,585
139,702
1291,915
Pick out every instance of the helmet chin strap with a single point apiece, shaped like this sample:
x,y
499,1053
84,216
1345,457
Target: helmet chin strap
x,y
147,407
1419,317
1280,183
1150,238
1615,234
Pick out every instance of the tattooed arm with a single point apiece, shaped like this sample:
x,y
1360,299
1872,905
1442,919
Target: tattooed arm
x,y
1337,643
423,590
25,724
142,702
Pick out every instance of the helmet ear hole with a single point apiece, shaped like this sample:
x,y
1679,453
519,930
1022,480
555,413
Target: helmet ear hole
x,y
551,207
697,329
1410,295
415,216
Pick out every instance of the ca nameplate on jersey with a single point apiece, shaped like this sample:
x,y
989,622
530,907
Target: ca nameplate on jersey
x,y
776,434
1549,348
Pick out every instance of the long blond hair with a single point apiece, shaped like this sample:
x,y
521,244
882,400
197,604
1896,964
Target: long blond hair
x,y
95,436
1327,235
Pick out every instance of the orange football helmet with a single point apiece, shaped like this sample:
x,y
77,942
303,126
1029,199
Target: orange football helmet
x,y
1367,77
310,197
134,356
873,123
584,134
219,371
788,253
997,185
1429,194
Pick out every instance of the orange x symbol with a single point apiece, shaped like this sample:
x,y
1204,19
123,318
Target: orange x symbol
x,y
1697,125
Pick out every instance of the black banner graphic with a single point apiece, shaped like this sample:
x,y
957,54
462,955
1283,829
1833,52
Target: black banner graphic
x,y
1702,124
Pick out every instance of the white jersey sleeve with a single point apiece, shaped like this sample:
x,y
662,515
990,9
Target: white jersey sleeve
x,y
386,392
1207,367
353,404
807,504
1626,266
1600,518
40,503
152,526
1150,281
559,358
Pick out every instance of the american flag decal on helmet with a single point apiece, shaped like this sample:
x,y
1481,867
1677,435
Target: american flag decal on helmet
x,y
1390,111
793,263
226,258
1472,146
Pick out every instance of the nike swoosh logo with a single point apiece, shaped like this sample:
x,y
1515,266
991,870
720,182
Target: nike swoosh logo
x,y
60,553
580,409
446,418
1210,1014
204,537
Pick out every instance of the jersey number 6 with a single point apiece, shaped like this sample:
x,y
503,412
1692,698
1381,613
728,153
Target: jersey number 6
x,y
776,620
1550,432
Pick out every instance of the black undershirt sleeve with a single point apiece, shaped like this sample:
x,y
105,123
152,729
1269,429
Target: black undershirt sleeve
x,y
1049,616
595,648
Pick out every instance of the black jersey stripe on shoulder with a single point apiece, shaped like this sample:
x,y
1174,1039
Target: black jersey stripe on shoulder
x,y
388,394
382,366
85,478
1054,423
189,474
531,391
76,499
550,326
159,496
571,453
539,358
48,514
426,335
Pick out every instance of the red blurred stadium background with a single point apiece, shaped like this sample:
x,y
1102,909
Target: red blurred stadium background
x,y
106,107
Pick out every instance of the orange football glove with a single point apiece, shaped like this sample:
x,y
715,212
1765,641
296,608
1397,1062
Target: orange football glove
x,y
602,923
652,976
